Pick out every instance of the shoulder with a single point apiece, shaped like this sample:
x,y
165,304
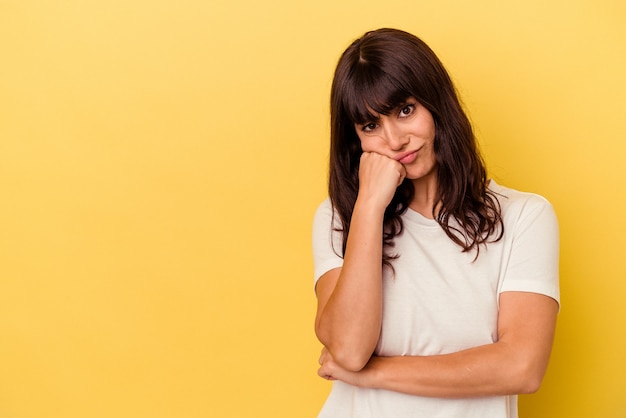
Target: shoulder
x,y
326,219
323,213
519,208
324,207
515,200
327,239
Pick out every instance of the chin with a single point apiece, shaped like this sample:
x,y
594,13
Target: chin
x,y
422,175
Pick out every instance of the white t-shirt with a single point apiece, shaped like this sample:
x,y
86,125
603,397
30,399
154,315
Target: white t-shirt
x,y
441,300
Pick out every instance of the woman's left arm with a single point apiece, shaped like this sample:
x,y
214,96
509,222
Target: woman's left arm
x,y
515,364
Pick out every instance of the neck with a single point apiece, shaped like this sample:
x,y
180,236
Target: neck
x,y
425,195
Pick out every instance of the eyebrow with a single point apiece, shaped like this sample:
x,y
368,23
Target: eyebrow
x,y
398,107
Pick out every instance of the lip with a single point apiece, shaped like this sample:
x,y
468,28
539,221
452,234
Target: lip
x,y
407,157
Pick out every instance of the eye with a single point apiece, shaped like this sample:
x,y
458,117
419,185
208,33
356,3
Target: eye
x,y
368,127
407,110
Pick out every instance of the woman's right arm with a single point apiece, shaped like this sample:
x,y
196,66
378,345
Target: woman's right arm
x,y
349,309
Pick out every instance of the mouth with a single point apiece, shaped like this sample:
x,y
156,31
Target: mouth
x,y
407,157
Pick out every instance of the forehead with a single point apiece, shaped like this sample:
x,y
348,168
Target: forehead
x,y
367,96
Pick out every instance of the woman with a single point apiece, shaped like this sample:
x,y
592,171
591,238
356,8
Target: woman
x,y
437,288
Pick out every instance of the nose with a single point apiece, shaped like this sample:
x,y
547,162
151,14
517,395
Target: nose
x,y
395,137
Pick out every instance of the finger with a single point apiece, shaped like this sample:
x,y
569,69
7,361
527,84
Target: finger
x,y
322,356
322,373
402,175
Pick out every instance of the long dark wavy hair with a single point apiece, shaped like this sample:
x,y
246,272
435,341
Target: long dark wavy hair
x,y
377,73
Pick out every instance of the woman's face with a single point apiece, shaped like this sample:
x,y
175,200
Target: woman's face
x,y
406,135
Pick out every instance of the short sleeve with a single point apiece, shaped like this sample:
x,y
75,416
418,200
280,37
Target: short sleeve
x,y
533,264
327,243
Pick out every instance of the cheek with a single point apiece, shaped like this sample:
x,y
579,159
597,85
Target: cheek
x,y
366,148
369,144
365,145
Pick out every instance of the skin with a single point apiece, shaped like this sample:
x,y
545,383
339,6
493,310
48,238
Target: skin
x,y
409,130
349,311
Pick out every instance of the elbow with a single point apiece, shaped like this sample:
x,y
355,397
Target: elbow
x,y
530,384
349,356
529,379
351,360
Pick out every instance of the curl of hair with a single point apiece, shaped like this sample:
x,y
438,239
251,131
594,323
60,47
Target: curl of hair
x,y
377,73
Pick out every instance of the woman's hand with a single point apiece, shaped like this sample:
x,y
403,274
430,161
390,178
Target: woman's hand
x,y
379,176
330,370
349,298
327,365
514,364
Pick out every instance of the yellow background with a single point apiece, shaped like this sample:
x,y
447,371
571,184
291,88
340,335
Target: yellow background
x,y
160,162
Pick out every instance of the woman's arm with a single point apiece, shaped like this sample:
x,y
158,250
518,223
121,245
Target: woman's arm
x,y
349,309
514,364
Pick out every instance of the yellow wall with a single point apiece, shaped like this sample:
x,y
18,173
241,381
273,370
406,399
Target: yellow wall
x,y
160,162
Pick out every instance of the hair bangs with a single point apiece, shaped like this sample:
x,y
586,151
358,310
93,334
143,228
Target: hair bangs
x,y
370,93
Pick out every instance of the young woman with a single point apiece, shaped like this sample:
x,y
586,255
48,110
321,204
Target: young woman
x,y
437,288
